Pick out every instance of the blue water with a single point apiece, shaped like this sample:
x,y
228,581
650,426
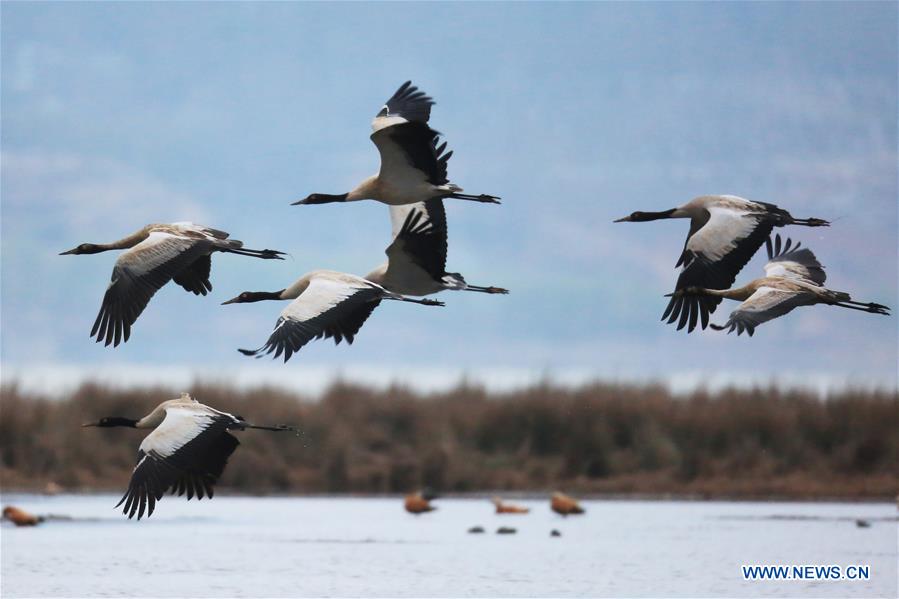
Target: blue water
x,y
337,547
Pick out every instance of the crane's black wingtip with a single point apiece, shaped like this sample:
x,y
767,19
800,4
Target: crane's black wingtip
x,y
247,352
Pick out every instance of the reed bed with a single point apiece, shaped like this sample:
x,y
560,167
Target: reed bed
x,y
595,439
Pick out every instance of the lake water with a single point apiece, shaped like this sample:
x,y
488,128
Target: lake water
x,y
279,547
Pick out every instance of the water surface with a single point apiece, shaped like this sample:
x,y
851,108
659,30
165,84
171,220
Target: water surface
x,y
279,547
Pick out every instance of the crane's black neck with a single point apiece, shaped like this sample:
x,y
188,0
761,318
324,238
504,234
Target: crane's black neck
x,y
89,248
110,421
258,296
638,217
325,198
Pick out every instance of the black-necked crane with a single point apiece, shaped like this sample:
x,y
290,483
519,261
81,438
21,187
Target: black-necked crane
x,y
326,304
186,452
413,165
155,255
793,278
416,259
725,232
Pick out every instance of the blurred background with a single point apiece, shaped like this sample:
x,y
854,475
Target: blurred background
x,y
115,116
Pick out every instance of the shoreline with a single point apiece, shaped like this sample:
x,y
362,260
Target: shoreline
x,y
512,496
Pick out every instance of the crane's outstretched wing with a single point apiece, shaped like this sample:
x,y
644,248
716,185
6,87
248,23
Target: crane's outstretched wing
x,y
195,277
409,153
793,263
187,452
421,240
199,477
767,303
327,308
408,104
714,254
433,213
137,275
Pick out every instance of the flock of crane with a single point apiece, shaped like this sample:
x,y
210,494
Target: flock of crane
x,y
725,233
188,450
412,180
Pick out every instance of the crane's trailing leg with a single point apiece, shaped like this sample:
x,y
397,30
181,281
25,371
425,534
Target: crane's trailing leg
x,y
423,302
811,222
486,289
871,307
276,428
264,254
486,198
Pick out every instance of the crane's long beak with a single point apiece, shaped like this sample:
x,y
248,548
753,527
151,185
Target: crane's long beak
x,y
71,251
233,300
625,219
90,424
